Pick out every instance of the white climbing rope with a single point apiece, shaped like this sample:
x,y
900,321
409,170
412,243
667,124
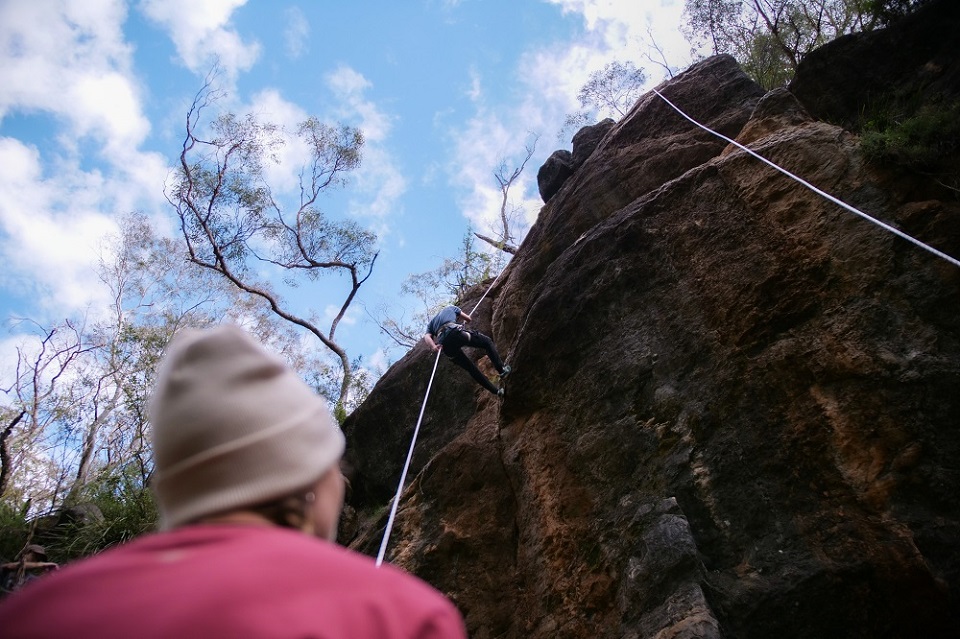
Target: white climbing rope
x,y
489,288
406,467
836,201
413,441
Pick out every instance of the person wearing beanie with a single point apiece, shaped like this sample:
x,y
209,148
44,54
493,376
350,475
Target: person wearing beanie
x,y
249,489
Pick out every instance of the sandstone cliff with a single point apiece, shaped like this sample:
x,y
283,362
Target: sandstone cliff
x,y
734,409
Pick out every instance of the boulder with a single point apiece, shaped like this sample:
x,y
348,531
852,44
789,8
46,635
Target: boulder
x,y
586,140
553,173
649,147
561,164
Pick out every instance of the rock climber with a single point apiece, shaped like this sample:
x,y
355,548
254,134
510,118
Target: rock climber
x,y
248,483
447,331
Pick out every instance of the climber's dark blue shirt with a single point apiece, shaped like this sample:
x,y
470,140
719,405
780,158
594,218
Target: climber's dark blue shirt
x,y
447,315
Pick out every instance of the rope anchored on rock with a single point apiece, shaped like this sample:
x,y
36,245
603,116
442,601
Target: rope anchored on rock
x,y
820,192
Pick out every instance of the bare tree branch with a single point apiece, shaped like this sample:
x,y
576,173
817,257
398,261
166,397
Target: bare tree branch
x,y
506,177
499,244
662,58
228,214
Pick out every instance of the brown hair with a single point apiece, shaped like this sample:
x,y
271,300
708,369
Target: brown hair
x,y
286,512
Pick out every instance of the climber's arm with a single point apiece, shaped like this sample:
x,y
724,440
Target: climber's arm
x,y
428,338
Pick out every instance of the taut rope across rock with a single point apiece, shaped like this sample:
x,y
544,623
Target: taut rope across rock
x,y
824,194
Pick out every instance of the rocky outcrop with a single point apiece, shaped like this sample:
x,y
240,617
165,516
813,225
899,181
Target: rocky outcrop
x,y
562,164
553,173
586,141
852,79
733,408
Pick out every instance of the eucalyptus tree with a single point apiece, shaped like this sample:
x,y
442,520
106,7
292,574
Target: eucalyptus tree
x,y
770,37
233,224
608,92
39,393
77,393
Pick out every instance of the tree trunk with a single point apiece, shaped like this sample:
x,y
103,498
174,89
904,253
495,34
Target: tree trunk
x,y
4,455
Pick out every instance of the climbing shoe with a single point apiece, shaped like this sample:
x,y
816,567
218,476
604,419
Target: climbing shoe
x,y
506,371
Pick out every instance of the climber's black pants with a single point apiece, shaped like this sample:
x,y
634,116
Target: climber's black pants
x,y
453,343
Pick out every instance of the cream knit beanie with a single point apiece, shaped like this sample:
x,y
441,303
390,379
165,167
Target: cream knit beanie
x,y
233,426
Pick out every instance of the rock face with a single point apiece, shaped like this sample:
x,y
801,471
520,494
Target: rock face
x,y
849,79
586,140
553,173
562,164
734,406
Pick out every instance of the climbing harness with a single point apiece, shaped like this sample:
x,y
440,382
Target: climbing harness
x,y
446,329
836,201
413,441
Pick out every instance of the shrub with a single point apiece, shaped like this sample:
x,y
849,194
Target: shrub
x,y
14,531
924,142
112,510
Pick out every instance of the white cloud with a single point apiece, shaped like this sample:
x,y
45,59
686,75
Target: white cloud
x,y
349,318
54,228
77,67
202,33
480,147
69,60
297,32
551,77
621,29
379,183
492,136
379,361
349,88
107,106
475,92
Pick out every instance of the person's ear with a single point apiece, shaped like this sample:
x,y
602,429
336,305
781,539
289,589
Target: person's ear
x,y
308,526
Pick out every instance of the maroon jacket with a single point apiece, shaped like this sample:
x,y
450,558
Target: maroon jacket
x,y
229,581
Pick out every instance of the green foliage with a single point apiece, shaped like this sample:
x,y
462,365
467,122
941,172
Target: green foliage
x,y
112,509
609,92
920,142
14,530
340,413
469,268
326,380
613,89
766,62
449,281
888,11
127,507
770,38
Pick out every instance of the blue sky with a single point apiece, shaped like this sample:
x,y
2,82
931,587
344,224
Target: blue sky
x,y
93,96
